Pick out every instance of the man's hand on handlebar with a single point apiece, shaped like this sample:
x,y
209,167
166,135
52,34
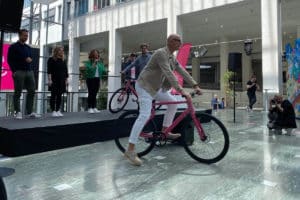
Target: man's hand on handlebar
x,y
197,90
186,95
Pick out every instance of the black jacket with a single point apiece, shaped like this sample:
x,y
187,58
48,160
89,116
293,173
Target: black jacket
x,y
16,57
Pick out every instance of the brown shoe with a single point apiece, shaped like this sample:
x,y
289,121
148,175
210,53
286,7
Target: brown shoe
x,y
133,158
173,136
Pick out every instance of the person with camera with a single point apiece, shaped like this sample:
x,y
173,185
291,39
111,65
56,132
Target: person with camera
x,y
281,114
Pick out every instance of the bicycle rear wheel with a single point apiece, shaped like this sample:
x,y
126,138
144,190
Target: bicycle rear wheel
x,y
145,144
216,145
118,100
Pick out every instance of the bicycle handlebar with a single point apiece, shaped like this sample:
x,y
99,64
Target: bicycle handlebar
x,y
193,94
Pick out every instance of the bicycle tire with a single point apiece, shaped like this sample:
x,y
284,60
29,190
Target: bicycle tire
x,y
3,195
118,100
215,132
126,120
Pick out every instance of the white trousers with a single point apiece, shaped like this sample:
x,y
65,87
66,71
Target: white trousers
x,y
145,101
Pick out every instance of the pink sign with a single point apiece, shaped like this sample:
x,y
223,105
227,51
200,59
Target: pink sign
x,y
6,75
182,59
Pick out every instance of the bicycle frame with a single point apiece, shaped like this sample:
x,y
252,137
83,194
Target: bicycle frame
x,y
128,86
190,110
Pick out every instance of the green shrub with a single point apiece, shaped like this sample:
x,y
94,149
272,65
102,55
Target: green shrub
x,y
102,99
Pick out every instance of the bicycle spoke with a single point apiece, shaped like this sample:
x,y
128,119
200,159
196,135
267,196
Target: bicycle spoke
x,y
145,142
215,147
118,100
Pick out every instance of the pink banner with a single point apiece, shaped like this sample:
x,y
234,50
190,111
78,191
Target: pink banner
x,y
6,75
182,59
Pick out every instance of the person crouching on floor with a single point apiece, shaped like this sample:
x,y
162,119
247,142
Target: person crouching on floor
x,y
281,114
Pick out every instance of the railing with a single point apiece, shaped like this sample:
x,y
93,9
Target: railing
x,y
41,103
77,101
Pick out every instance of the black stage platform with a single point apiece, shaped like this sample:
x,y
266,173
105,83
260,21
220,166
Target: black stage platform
x,y
28,136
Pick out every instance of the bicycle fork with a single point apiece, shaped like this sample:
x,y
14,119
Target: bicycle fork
x,y
199,128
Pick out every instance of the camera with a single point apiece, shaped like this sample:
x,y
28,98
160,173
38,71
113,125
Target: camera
x,y
273,101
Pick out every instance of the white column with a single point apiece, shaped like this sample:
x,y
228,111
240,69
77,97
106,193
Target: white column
x,y
114,61
42,80
73,69
224,50
246,69
91,6
112,3
196,69
271,46
72,9
3,104
173,25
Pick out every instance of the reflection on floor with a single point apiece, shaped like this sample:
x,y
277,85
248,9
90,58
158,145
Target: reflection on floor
x,y
259,165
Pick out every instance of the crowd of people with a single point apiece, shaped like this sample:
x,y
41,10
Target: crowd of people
x,y
20,61
154,75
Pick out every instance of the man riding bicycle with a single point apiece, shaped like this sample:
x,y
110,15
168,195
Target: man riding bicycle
x,y
153,83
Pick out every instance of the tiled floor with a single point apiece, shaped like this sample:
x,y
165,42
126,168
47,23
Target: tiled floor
x,y
259,165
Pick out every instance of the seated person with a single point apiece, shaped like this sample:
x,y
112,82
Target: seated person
x,y
222,103
215,102
281,114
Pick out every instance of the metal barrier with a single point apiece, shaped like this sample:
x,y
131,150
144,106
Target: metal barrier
x,y
41,102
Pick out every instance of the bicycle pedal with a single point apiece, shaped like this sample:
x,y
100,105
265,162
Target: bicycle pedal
x,y
149,140
160,143
160,138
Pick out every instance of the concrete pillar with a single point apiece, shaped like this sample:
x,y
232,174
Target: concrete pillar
x,y
224,50
196,69
42,75
3,108
174,25
91,6
246,69
73,69
42,80
114,61
271,46
112,3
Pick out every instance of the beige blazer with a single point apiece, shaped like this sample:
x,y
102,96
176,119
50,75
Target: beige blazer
x,y
158,73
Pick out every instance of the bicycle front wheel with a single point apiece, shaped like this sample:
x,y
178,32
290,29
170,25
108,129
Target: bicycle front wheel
x,y
118,100
2,190
214,147
146,141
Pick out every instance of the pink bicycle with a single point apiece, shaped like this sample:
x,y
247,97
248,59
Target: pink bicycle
x,y
120,97
210,137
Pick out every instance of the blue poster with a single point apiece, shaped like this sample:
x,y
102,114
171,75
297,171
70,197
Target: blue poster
x,y
293,75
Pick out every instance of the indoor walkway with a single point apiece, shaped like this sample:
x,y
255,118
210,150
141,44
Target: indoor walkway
x,y
259,165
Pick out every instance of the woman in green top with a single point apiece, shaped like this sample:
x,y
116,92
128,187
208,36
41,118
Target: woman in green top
x,y
94,70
